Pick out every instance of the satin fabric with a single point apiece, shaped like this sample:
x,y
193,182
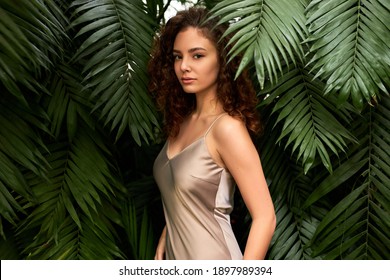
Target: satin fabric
x,y
197,196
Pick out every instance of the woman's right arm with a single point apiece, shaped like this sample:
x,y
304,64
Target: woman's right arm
x,y
160,251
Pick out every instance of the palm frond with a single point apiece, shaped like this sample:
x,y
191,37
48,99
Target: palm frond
x,y
31,36
302,108
142,213
358,226
294,231
139,231
20,147
116,39
96,241
8,247
289,188
68,102
264,32
80,183
13,49
351,48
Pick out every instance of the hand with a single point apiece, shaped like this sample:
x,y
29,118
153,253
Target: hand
x,y
160,251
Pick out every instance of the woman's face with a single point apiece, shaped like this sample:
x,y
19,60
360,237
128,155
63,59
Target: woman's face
x,y
195,62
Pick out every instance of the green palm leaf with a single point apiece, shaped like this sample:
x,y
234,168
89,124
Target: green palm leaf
x,y
300,105
31,33
116,39
68,102
8,248
139,231
293,233
80,184
358,226
351,47
61,195
142,213
289,188
95,242
20,148
264,32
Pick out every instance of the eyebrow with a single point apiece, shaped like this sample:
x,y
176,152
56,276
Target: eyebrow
x,y
191,50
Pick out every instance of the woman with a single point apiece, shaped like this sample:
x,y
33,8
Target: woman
x,y
208,118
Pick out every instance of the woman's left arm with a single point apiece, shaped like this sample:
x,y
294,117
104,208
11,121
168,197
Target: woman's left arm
x,y
238,153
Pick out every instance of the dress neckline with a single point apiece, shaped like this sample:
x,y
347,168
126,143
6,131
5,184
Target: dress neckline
x,y
183,150
193,142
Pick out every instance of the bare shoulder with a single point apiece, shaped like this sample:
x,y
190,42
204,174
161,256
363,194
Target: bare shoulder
x,y
228,128
231,145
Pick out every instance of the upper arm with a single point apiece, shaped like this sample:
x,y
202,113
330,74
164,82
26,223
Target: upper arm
x,y
238,153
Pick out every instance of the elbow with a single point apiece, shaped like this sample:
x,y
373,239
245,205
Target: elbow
x,y
267,221
272,219
272,222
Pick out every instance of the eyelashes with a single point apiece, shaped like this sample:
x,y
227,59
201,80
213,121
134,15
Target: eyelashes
x,y
195,56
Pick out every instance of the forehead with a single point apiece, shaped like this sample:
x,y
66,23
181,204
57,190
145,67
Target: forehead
x,y
191,37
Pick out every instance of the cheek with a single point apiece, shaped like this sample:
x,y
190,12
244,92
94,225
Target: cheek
x,y
213,70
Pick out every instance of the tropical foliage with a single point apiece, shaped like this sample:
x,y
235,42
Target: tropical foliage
x,y
79,131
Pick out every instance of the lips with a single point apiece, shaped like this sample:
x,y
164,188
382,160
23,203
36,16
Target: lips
x,y
187,80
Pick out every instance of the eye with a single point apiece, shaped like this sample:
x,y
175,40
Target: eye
x,y
176,57
197,56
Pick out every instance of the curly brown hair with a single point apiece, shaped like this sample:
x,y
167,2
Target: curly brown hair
x,y
237,96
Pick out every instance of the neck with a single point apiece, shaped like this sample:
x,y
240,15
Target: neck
x,y
207,105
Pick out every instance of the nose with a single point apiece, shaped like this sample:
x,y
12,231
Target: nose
x,y
184,65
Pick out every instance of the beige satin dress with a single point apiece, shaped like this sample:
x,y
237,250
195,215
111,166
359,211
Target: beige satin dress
x,y
197,196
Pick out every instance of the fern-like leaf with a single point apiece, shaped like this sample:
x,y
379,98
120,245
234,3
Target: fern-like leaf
x,y
351,47
264,32
116,39
302,108
358,226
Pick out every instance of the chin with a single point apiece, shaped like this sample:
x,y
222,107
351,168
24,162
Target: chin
x,y
188,92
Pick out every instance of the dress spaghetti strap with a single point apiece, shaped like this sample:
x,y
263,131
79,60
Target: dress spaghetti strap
x,y
212,124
